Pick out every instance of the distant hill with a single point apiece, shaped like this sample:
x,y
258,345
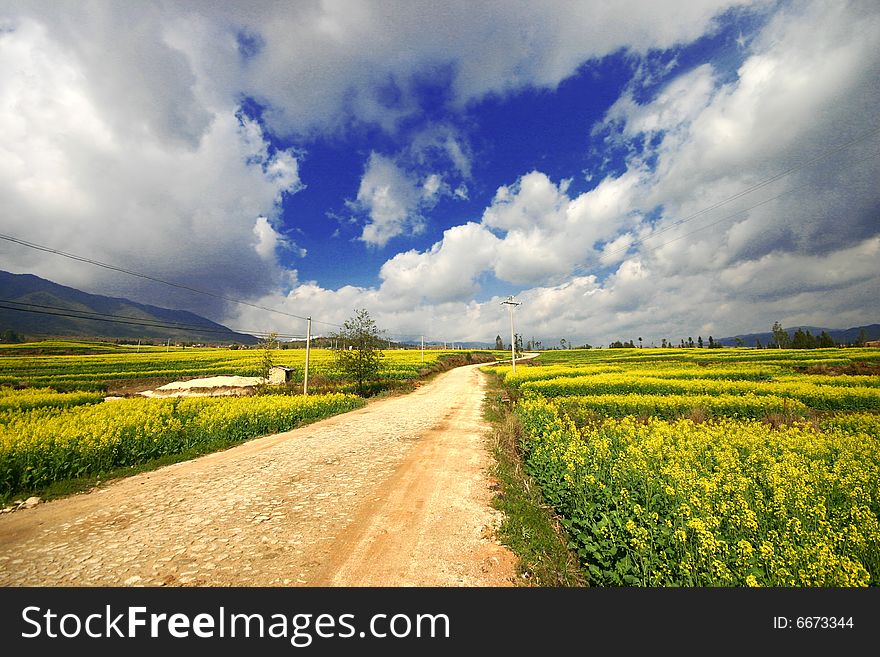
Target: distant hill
x,y
33,306
838,335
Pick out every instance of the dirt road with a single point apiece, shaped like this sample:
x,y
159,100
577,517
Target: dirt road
x,y
393,494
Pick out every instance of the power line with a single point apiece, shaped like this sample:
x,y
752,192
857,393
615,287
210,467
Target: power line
x,y
124,319
97,263
113,315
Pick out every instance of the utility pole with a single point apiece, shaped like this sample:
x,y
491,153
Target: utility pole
x,y
423,348
308,346
511,304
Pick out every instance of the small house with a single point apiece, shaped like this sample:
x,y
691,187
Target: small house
x,y
280,375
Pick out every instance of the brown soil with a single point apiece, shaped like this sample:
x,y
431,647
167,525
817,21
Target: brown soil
x,y
856,368
393,494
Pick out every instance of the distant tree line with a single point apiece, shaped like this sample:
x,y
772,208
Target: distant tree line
x,y
665,343
800,339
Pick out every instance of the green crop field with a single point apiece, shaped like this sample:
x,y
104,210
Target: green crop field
x,y
699,467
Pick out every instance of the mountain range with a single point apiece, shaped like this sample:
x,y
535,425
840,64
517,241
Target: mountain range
x,y
840,336
35,307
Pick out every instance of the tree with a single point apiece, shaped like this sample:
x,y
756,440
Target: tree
x,y
700,341
738,342
267,346
663,343
499,343
640,343
862,339
562,343
758,344
10,336
803,340
780,336
360,355
711,342
826,340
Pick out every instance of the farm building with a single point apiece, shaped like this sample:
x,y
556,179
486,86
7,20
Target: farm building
x,y
280,374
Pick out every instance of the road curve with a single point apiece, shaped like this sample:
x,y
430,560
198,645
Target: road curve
x,y
394,494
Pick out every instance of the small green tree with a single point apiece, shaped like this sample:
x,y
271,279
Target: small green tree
x,y
267,346
359,355
10,336
780,335
826,340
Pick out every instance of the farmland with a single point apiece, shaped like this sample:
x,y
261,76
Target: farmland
x,y
71,366
718,467
55,425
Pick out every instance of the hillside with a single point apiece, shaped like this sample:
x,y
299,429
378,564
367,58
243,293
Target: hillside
x,y
841,336
34,306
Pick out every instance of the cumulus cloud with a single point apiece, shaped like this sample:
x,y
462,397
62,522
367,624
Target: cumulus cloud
x,y
392,200
369,60
195,206
122,141
800,247
446,272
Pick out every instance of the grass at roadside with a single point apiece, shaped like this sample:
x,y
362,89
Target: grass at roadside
x,y
530,528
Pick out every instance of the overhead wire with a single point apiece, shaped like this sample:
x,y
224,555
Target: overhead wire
x,y
130,272
176,325
43,309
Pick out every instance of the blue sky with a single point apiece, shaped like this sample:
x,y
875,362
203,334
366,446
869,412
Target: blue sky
x,y
505,136
426,161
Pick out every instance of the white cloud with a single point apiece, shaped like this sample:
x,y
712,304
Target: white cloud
x,y
803,249
679,102
194,207
391,198
139,158
267,238
322,62
447,272
432,186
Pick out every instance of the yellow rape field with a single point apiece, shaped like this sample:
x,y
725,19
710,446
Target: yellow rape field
x,y
725,503
709,467
47,435
45,445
